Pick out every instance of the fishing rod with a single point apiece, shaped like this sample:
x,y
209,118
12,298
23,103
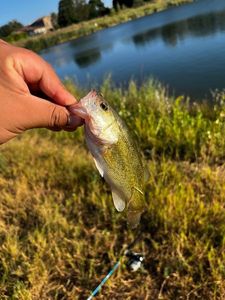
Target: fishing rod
x,y
134,263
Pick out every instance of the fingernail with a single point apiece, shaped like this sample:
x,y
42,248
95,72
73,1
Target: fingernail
x,y
74,122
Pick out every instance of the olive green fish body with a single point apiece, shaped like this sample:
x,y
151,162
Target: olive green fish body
x,y
117,157
125,172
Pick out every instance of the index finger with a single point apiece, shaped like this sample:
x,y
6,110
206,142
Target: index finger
x,y
36,70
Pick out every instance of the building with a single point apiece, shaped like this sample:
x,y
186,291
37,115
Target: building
x,y
40,26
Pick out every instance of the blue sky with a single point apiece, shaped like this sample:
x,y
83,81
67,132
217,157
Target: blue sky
x,y
26,11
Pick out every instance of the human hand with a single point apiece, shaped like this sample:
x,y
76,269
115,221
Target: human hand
x,y
23,74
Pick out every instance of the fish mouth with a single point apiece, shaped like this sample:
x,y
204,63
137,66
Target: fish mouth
x,y
79,110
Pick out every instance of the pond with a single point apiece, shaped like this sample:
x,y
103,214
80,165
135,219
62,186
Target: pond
x,y
183,47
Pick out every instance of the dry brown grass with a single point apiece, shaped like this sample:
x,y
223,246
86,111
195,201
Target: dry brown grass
x,y
59,231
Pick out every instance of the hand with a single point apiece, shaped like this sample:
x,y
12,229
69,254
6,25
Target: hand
x,y
23,76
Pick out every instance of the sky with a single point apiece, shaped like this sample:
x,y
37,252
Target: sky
x,y
26,11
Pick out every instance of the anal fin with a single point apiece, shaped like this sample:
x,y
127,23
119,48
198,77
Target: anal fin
x,y
118,202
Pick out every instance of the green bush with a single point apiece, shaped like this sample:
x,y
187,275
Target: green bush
x,y
16,36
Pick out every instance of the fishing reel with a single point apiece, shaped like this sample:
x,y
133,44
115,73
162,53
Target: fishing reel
x,y
134,260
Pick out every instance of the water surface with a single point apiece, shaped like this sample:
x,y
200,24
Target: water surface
x,y
184,47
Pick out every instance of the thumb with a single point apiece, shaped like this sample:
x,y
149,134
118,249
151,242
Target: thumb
x,y
42,113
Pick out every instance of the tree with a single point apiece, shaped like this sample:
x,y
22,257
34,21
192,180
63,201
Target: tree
x,y
119,4
7,29
72,11
66,12
81,10
54,19
97,8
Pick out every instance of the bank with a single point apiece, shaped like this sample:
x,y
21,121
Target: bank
x,y
38,43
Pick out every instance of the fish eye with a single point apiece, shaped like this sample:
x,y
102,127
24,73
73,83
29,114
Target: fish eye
x,y
104,106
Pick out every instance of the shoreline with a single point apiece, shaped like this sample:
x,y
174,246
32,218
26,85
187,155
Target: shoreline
x,y
62,35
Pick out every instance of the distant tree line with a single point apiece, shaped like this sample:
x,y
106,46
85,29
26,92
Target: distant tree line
x,y
120,4
72,11
7,29
75,11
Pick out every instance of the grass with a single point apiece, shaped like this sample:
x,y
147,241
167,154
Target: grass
x,y
38,43
59,231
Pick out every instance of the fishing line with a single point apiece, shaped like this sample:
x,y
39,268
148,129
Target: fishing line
x,y
134,263
104,280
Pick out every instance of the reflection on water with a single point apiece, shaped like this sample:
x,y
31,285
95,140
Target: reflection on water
x,y
183,47
85,59
197,26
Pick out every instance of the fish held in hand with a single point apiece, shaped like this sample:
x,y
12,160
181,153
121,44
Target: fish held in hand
x,y
116,154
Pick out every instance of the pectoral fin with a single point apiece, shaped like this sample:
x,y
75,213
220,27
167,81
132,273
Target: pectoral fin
x,y
118,202
99,167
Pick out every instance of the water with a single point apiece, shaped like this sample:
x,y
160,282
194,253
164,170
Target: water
x,y
183,47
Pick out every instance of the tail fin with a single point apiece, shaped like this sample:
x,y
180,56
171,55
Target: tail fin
x,y
135,208
133,218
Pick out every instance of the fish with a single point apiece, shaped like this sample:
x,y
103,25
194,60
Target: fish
x,y
116,154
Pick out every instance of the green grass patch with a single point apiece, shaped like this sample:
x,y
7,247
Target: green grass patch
x,y
59,231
